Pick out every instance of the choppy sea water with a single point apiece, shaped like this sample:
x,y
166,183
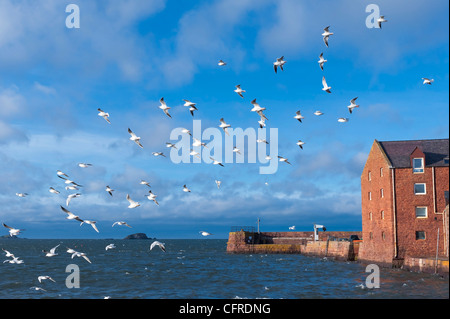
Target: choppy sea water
x,y
195,269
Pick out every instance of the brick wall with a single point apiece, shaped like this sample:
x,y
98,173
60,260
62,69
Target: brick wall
x,y
377,227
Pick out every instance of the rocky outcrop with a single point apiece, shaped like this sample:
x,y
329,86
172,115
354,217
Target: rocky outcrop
x,y
137,236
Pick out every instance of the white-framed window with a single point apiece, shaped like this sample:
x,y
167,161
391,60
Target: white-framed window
x,y
418,165
370,195
383,235
370,215
421,212
369,176
381,171
420,235
420,189
382,214
382,193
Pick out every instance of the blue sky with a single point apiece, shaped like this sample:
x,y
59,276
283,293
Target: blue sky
x,y
126,55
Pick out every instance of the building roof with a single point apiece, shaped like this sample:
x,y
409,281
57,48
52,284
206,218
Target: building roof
x,y
398,152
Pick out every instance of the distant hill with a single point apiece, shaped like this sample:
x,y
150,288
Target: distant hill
x,y
137,236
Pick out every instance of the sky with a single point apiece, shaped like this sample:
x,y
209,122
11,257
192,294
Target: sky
x,y
126,55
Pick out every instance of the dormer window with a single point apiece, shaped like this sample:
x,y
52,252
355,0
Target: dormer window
x,y
418,165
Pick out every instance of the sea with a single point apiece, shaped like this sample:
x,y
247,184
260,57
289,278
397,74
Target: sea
x,y
194,269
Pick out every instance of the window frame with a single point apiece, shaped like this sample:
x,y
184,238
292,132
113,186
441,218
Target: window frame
x,y
424,235
426,211
421,169
425,188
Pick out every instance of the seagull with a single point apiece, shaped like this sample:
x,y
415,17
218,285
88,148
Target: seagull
x,y
52,252
262,122
300,144
135,138
342,119
262,141
104,115
164,107
279,63
156,154
194,153
110,246
298,116
256,107
159,244
352,105
321,61
204,233
186,131
84,165
54,191
239,90
198,143
38,288
427,81
78,254
171,145
145,183
318,113
236,150
109,190
218,184
70,197
22,194
191,106
292,228
326,88
40,278
221,63
90,222
121,224
15,260
133,204
326,34
185,189
68,181
71,187
7,253
380,20
224,125
70,215
152,197
282,159
12,231
216,162
59,173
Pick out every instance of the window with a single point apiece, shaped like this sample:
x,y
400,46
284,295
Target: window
x,y
370,216
370,176
421,212
383,235
420,189
370,195
382,193
417,165
382,214
381,172
420,235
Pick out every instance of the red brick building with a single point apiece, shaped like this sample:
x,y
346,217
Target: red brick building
x,y
404,186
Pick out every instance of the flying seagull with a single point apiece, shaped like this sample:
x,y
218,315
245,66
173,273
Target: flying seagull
x,y
110,246
121,224
221,63
78,254
186,131
142,182
104,115
326,88
159,244
61,174
22,194
300,144
133,204
156,154
352,105
109,190
205,233
152,197
218,184
171,145
318,113
185,189
191,106
7,253
321,61
69,198
326,34
427,81
92,223
236,150
12,231
84,165
279,63
54,191
292,228
40,278
298,116
258,109
198,143
135,138
51,253
194,153
70,214
342,119
216,162
68,181
239,90
164,107
380,20
282,159
224,125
